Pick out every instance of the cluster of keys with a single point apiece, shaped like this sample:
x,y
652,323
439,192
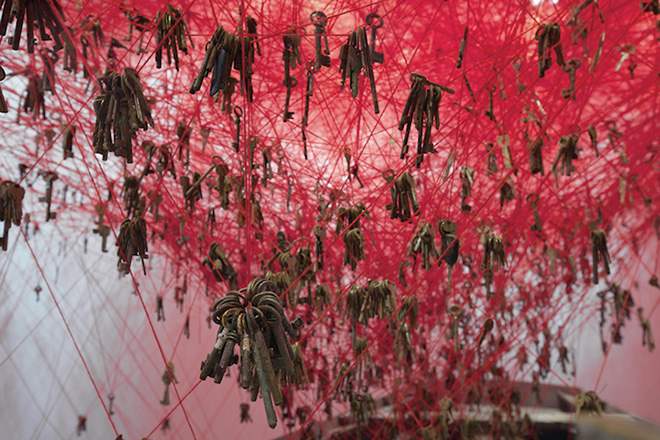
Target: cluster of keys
x,y
421,108
254,320
424,242
358,55
549,38
172,31
349,219
223,51
376,300
45,13
404,200
11,208
132,241
599,252
494,257
121,110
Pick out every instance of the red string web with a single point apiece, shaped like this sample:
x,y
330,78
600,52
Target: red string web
x,y
539,301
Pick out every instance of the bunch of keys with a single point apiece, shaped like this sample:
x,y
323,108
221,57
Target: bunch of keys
x,y
132,240
568,151
11,208
424,242
34,101
222,51
494,257
599,251
403,346
190,194
121,110
322,297
45,13
380,300
354,247
130,192
549,37
356,56
172,31
422,108
404,200
254,319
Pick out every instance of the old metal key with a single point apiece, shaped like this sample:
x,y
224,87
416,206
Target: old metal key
x,y
49,177
570,68
320,20
238,112
375,22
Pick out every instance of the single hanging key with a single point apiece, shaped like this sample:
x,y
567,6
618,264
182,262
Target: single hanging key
x,y
49,177
367,65
320,20
289,84
570,68
450,246
238,112
533,199
375,22
599,250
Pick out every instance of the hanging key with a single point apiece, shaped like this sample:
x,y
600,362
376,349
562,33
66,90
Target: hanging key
x,y
204,132
291,83
182,237
490,113
570,67
450,246
627,50
599,251
11,208
320,20
375,22
467,179
533,199
517,63
461,50
238,113
49,177
367,65
3,103
593,136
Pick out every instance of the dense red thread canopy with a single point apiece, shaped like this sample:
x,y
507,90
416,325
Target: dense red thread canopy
x,y
539,301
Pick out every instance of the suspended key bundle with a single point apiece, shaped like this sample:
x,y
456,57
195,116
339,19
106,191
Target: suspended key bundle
x,y
120,110
254,319
222,51
11,207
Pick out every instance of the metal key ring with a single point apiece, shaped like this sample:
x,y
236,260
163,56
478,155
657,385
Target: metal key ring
x,y
238,111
